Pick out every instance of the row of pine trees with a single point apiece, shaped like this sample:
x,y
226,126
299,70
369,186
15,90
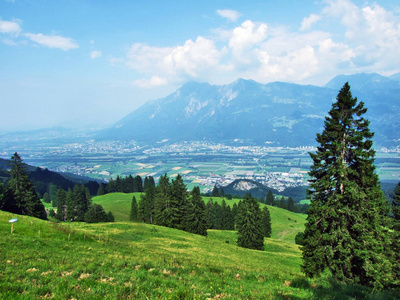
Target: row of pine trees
x,y
76,205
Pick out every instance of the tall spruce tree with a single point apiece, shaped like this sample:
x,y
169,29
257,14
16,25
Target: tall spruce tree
x,y
95,214
20,195
290,205
162,203
179,202
194,218
249,225
1,194
396,208
199,208
396,236
282,203
133,216
346,224
82,201
266,222
61,205
270,198
53,194
101,191
146,206
215,192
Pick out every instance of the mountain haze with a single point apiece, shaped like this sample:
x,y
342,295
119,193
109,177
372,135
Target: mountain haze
x,y
278,113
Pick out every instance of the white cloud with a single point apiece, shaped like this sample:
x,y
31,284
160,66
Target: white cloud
x,y
194,59
246,37
308,21
10,27
371,31
53,41
95,54
230,15
154,81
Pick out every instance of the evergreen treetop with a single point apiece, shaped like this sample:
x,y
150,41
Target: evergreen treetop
x,y
249,224
20,195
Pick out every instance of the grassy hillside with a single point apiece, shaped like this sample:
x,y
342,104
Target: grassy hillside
x,y
130,260
118,203
285,224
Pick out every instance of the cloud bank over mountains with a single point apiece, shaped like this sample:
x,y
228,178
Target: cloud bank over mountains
x,y
341,38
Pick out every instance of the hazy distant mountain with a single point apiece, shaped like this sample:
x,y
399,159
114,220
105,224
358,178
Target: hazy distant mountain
x,y
277,113
395,77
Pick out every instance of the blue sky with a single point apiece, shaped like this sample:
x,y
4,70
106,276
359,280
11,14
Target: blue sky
x,y
85,63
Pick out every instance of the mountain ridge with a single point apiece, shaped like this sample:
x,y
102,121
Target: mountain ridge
x,y
277,113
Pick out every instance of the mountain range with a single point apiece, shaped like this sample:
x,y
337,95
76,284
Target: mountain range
x,y
277,113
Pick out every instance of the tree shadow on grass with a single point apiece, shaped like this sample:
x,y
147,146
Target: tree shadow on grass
x,y
331,289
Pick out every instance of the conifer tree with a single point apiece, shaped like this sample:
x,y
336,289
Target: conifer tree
x,y
346,224
178,202
138,184
118,184
194,218
46,197
234,214
224,216
290,205
282,203
101,191
110,217
95,214
396,208
266,222
222,192
61,205
199,210
1,194
396,236
53,194
129,184
249,225
82,201
270,198
151,181
133,216
230,221
146,206
20,195
162,202
210,214
146,183
111,186
215,192
69,206
217,216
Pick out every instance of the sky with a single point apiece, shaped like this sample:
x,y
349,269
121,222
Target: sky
x,y
81,63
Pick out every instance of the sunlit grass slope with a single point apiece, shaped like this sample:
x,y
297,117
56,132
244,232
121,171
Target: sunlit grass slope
x,y
118,203
41,259
117,260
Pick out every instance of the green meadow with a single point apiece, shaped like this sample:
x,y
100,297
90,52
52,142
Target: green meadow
x,y
125,260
